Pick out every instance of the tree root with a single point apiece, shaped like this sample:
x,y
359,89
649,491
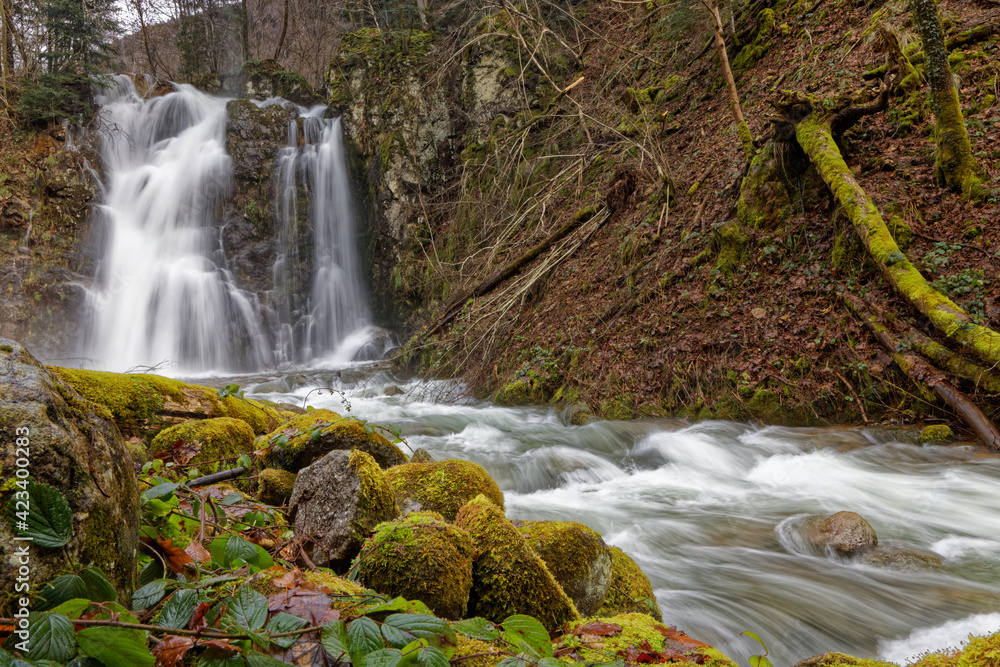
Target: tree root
x,y
815,133
926,377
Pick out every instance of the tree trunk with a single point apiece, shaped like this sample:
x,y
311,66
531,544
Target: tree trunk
x,y
7,42
955,166
284,31
742,129
814,135
245,30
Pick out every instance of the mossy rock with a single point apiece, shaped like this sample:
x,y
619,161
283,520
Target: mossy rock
x,y
420,557
629,589
144,404
220,438
645,632
981,651
421,456
477,653
937,434
530,389
841,660
576,556
312,435
508,577
443,486
337,502
261,79
729,242
274,486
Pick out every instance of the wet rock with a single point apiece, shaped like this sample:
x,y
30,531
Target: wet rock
x,y
421,456
278,386
337,502
254,136
629,589
938,434
576,556
392,390
898,556
508,577
263,79
844,532
72,445
840,660
578,414
443,486
420,557
275,487
314,434
207,439
293,408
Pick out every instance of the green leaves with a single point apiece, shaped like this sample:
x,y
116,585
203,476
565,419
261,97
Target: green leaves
x,y
385,657
158,492
225,551
478,628
282,623
333,638
528,635
248,609
363,637
149,594
52,637
90,583
178,609
115,647
758,660
44,516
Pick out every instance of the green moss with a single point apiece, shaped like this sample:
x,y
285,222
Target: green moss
x,y
316,433
937,434
376,499
979,652
105,546
729,242
345,596
6,349
220,438
751,53
576,556
443,486
841,660
629,589
508,578
420,557
528,389
486,654
641,630
275,487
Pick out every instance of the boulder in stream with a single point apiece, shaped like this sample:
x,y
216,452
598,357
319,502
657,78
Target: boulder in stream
x,y
68,443
336,504
208,439
898,556
312,435
442,486
629,589
421,557
508,577
843,532
576,556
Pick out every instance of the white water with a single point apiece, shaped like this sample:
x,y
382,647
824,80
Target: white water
x,y
701,509
163,294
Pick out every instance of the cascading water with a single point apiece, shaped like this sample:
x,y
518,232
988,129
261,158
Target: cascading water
x,y
337,305
159,296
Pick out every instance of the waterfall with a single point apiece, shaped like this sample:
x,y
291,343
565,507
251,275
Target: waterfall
x,y
337,305
163,292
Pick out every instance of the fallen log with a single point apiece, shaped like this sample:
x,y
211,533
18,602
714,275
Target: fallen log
x,y
918,370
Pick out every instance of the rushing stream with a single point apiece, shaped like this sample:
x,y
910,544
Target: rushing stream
x,y
702,508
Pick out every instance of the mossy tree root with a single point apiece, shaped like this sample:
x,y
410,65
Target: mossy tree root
x,y
815,136
918,370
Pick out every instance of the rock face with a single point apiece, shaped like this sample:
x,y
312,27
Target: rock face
x,y
222,437
508,577
576,556
629,589
844,533
314,434
420,557
442,486
337,502
75,449
898,556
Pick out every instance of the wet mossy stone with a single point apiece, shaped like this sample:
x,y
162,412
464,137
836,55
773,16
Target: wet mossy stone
x,y
74,447
421,456
261,79
442,486
937,434
220,438
313,435
576,556
274,486
508,577
636,630
629,589
420,557
525,390
844,533
336,504
843,660
144,404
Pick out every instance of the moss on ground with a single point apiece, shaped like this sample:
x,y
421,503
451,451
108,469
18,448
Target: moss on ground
x,y
508,578
317,433
576,556
220,438
629,590
643,631
420,557
443,486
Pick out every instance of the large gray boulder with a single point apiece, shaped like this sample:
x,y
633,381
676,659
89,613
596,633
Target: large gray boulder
x,y
336,504
75,449
844,533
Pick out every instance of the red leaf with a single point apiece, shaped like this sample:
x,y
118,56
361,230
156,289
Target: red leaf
x,y
679,641
291,579
312,605
171,650
598,628
198,619
178,557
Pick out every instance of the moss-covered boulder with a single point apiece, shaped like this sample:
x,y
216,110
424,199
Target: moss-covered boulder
x,y
275,487
576,556
70,444
643,632
629,589
336,504
261,79
937,434
844,660
144,404
442,486
421,557
310,436
219,438
528,389
508,577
